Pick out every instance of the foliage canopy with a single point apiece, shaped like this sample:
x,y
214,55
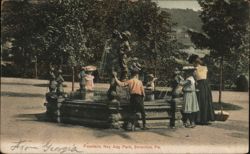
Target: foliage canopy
x,y
74,32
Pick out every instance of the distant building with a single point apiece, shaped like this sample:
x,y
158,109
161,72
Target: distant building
x,y
183,37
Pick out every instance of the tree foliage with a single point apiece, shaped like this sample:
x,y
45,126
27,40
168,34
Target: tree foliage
x,y
225,27
74,32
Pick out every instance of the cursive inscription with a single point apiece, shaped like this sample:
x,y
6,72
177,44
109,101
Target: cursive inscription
x,y
47,147
22,145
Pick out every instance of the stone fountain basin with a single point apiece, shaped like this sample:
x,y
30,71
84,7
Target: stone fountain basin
x,y
94,109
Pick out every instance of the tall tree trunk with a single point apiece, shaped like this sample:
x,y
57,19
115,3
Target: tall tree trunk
x,y
73,78
221,82
155,69
155,57
36,67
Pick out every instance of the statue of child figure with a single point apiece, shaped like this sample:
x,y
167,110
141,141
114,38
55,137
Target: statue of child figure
x,y
59,81
81,77
52,80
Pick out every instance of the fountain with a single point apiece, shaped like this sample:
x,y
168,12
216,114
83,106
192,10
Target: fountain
x,y
111,109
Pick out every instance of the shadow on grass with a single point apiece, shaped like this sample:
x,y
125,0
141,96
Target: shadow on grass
x,y
239,135
45,85
15,94
42,117
14,83
233,125
98,131
226,106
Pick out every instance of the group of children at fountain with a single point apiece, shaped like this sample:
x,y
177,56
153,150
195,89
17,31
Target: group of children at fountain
x,y
137,94
85,79
184,87
195,109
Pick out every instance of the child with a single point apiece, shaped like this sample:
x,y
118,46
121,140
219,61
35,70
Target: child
x,y
150,87
89,80
175,84
137,93
191,105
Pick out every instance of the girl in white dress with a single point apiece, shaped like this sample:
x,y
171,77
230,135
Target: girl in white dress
x,y
190,106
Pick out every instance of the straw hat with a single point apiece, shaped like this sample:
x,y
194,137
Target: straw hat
x,y
152,77
90,68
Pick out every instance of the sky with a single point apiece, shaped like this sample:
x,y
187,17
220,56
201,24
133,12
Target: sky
x,y
180,4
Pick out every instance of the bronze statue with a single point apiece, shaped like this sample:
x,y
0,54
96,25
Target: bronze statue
x,y
123,50
81,76
52,80
59,81
112,89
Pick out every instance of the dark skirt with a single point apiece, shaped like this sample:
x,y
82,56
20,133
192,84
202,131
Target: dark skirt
x,y
204,96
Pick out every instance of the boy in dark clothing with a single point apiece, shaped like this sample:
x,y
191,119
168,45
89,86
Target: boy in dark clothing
x,y
137,93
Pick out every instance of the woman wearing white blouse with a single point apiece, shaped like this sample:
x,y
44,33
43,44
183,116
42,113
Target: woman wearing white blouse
x,y
204,94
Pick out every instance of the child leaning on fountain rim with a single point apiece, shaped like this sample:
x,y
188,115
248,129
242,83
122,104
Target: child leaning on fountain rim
x,y
137,93
190,106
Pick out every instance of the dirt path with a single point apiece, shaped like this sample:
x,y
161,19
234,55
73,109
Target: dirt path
x,y
22,120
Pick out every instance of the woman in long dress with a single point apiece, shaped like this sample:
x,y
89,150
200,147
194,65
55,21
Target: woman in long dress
x,y
204,94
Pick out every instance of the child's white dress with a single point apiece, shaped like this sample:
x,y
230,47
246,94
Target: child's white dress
x,y
190,99
89,86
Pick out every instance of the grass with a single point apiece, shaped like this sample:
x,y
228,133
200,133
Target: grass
x,y
226,106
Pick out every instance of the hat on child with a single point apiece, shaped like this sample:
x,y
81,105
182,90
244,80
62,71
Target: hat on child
x,y
192,58
151,75
90,68
187,68
177,71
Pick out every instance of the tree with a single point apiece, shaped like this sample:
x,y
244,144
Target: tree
x,y
74,32
225,26
152,39
21,23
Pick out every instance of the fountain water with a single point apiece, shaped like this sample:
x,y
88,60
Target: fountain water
x,y
106,52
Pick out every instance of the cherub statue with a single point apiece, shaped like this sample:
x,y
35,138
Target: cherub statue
x,y
59,81
123,49
52,80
